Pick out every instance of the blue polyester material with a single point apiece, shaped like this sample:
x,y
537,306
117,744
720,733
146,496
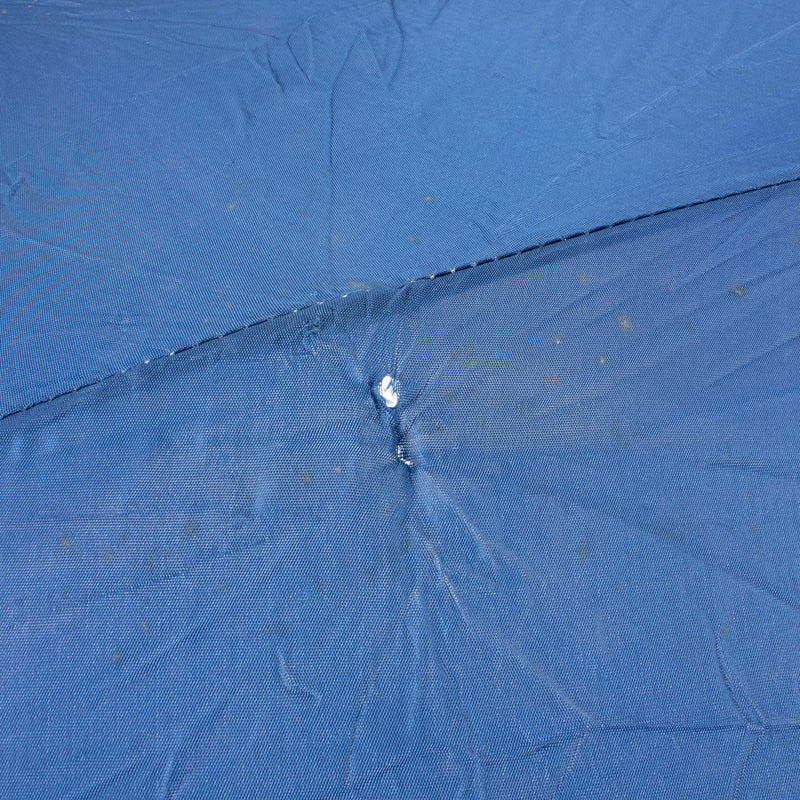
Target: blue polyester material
x,y
172,171
564,564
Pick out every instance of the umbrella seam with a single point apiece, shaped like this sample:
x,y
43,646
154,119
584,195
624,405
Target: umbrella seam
x,y
433,276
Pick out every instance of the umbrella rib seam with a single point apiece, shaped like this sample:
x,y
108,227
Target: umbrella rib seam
x,y
532,248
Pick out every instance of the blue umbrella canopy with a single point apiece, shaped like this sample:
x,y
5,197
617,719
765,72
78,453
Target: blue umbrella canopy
x,y
400,400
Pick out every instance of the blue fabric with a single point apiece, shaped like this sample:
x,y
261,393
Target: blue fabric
x,y
350,449
172,171
563,564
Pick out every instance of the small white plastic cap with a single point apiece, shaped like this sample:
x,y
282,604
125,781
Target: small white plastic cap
x,y
388,391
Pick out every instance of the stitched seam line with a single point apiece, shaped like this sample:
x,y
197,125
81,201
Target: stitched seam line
x,y
433,276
